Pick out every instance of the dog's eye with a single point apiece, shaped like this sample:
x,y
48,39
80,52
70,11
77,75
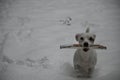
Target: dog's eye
x,y
91,39
82,38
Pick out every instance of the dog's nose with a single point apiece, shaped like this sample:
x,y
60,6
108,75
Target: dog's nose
x,y
86,44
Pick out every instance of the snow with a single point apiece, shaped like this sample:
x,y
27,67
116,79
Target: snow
x,y
31,33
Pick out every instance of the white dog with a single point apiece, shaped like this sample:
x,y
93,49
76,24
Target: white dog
x,y
85,58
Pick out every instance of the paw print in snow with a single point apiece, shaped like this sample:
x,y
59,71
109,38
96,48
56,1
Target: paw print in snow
x,y
67,21
44,62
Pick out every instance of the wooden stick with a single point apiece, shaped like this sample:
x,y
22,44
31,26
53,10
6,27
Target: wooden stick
x,y
75,46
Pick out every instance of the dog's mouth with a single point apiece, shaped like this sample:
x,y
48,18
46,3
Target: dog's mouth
x,y
85,49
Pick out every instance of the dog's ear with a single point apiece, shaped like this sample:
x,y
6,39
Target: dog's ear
x,y
94,35
77,36
87,30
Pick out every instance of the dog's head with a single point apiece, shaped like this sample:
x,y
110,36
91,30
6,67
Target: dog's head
x,y
85,39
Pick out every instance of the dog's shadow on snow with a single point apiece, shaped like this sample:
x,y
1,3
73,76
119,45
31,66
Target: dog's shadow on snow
x,y
67,69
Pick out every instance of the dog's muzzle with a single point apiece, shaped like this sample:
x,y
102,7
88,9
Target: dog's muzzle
x,y
86,46
85,49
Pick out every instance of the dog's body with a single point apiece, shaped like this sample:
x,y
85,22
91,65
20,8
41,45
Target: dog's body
x,y
85,58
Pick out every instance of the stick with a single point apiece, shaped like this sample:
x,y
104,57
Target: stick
x,y
75,46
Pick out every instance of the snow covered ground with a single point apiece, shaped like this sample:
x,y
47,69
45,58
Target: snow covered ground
x,y
31,32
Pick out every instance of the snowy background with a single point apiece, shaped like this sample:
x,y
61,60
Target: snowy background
x,y
31,32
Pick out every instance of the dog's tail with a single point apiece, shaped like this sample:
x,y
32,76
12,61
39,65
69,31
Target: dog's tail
x,y
88,30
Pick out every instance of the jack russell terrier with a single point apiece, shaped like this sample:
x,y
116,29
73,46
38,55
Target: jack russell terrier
x,y
85,58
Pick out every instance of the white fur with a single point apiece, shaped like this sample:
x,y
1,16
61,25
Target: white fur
x,y
85,61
